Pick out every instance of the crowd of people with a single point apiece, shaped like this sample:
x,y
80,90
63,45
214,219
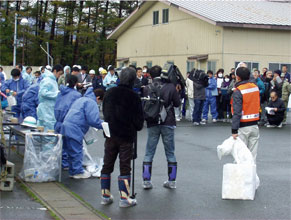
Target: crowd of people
x,y
68,100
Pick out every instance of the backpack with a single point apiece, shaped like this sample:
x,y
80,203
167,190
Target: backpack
x,y
153,106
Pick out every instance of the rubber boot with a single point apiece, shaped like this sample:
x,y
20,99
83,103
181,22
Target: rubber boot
x,y
106,198
146,174
124,190
172,173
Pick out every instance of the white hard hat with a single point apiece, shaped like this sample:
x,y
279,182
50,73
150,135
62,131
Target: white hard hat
x,y
29,122
92,72
48,67
108,67
100,69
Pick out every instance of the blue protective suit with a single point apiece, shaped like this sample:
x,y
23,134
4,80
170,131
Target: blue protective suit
x,y
65,99
2,78
83,113
110,81
47,95
28,77
19,87
211,93
30,101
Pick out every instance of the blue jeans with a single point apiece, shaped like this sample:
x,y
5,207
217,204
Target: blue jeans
x,y
212,102
168,138
198,106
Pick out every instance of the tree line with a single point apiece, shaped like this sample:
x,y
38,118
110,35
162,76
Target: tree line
x,y
75,30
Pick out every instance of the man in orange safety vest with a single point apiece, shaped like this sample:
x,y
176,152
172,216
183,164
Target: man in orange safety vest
x,y
246,110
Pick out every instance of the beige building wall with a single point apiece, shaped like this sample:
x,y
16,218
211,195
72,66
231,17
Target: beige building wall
x,y
256,45
186,36
182,37
7,70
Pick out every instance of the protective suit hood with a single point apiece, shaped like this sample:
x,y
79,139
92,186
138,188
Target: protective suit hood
x,y
65,90
65,68
90,94
49,74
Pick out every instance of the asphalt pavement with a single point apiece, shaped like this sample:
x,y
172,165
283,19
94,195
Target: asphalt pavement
x,y
199,180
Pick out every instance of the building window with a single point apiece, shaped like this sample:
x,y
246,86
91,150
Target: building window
x,y
133,63
170,62
251,65
149,64
121,64
278,66
211,65
190,65
155,17
165,16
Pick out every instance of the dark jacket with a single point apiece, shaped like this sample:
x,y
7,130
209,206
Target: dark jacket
x,y
123,111
199,90
170,95
279,104
139,85
97,83
237,110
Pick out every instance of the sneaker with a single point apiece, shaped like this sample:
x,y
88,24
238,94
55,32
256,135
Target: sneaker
x,y
203,123
125,203
147,185
214,120
280,125
178,119
106,200
204,120
271,126
84,175
170,184
196,123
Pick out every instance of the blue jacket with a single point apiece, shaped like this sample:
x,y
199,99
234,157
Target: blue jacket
x,y
19,86
30,101
2,78
65,99
261,86
83,113
211,90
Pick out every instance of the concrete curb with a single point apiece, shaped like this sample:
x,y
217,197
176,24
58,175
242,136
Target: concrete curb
x,y
61,201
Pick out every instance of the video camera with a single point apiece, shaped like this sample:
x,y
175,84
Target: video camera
x,y
172,74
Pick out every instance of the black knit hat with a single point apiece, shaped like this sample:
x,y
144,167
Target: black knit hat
x,y
278,72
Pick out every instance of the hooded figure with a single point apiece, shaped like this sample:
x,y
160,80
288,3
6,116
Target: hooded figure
x,y
122,110
48,91
67,96
83,113
62,79
18,86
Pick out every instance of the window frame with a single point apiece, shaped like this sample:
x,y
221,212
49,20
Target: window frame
x,y
188,65
163,16
147,64
212,61
247,62
158,15
280,65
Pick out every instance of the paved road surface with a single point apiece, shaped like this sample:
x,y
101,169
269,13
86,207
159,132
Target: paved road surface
x,y
198,193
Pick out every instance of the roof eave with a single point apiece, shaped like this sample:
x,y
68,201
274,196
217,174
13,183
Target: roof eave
x,y
257,26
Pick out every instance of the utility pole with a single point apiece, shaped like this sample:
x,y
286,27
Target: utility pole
x,y
15,40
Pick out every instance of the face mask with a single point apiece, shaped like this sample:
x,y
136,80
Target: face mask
x,y
226,80
16,80
220,75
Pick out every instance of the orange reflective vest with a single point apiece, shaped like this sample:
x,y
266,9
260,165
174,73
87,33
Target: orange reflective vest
x,y
251,102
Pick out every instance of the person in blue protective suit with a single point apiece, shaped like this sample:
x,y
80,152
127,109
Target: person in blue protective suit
x,y
47,95
211,93
83,113
30,101
27,75
16,87
67,96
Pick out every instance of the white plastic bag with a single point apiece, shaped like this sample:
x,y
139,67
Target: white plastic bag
x,y
91,136
94,166
11,101
289,102
240,179
237,149
42,158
